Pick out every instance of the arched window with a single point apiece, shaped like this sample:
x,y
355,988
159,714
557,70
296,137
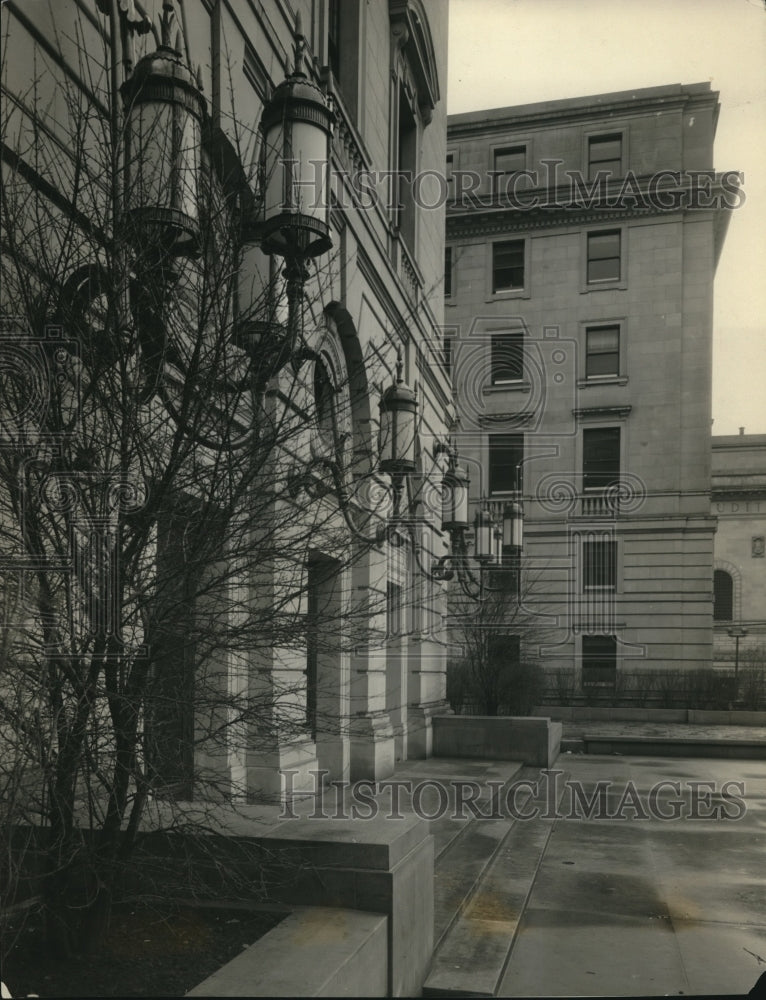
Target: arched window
x,y
723,596
324,401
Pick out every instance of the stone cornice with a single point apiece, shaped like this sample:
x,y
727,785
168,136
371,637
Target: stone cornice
x,y
519,418
599,412
551,114
487,222
577,202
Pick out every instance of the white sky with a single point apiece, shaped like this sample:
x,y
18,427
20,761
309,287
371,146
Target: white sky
x,y
506,52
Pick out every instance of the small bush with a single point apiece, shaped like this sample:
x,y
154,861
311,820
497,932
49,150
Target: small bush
x,y
752,688
561,686
644,683
524,687
669,684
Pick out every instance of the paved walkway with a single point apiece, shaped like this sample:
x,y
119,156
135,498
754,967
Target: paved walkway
x,y
628,906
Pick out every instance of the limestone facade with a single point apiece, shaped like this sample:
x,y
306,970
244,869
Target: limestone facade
x,y
580,263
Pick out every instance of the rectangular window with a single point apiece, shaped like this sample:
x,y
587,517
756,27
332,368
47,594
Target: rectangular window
x,y
507,266
447,272
599,564
506,454
344,45
507,162
604,256
600,457
333,37
723,596
507,357
602,351
447,355
407,137
449,177
604,153
394,610
599,661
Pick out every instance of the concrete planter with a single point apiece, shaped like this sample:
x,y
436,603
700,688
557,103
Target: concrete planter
x,y
532,740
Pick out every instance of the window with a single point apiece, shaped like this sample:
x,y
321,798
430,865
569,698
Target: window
x,y
507,266
602,351
447,356
324,393
449,177
601,457
343,48
604,256
604,153
313,581
507,357
599,661
447,272
507,162
506,454
394,610
407,167
333,37
599,564
723,596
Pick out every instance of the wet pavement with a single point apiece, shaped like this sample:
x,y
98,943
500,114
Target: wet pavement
x,y
627,902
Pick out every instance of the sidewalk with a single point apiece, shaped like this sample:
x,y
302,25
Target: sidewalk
x,y
630,907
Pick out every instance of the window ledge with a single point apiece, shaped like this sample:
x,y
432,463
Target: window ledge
x,y
602,412
521,385
511,293
517,419
589,383
603,286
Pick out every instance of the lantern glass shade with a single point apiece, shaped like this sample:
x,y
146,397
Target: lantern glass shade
x,y
497,555
455,499
398,430
164,112
485,543
297,125
513,526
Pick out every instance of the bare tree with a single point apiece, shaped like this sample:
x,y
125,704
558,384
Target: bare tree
x,y
154,533
495,638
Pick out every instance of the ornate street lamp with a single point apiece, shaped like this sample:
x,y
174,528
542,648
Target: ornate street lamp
x,y
513,526
398,427
166,130
164,116
737,632
498,536
484,531
455,498
297,130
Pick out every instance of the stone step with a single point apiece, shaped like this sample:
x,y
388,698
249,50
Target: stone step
x,y
666,746
450,780
446,829
573,744
460,864
473,954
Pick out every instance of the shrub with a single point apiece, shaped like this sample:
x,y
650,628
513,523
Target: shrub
x,y
643,686
752,688
561,686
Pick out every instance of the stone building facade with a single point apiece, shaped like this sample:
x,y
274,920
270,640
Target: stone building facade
x,y
582,241
363,699
739,569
